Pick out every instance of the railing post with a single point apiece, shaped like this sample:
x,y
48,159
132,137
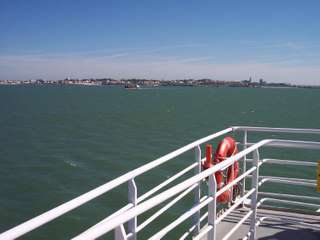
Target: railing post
x,y
132,198
244,162
254,196
212,208
120,233
197,191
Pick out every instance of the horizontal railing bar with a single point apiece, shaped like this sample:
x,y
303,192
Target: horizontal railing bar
x,y
181,219
203,232
129,236
235,228
186,234
117,213
187,183
277,130
286,220
166,207
287,181
84,198
204,216
287,145
288,202
235,205
289,196
286,162
235,181
128,206
166,182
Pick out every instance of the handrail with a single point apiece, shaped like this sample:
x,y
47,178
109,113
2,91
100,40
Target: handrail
x,y
285,162
148,204
129,176
146,195
269,194
52,214
288,202
278,130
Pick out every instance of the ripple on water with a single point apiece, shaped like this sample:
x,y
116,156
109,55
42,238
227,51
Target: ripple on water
x,y
71,163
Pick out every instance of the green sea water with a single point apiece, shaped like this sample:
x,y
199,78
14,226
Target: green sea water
x,y
57,142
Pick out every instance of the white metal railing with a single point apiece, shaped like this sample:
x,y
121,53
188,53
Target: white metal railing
x,y
138,205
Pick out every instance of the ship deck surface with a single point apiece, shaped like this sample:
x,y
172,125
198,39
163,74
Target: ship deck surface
x,y
273,229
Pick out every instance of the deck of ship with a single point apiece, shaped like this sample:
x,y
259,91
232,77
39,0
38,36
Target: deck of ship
x,y
283,225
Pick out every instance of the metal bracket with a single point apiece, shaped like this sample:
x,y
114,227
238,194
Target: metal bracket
x,y
120,233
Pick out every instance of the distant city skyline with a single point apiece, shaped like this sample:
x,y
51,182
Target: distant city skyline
x,y
274,40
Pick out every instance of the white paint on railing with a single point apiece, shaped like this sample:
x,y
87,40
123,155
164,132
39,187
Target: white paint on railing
x,y
204,232
254,196
166,182
120,233
132,198
244,164
289,196
212,208
235,205
286,220
166,207
181,219
102,229
303,204
287,162
235,227
128,212
197,190
82,199
292,181
277,130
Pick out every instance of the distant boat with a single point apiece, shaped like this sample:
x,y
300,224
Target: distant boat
x,y
132,86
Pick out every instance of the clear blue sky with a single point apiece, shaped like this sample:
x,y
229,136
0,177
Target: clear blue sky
x,y
274,40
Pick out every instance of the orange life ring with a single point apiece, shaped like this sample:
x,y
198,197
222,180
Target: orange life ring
x,y
226,148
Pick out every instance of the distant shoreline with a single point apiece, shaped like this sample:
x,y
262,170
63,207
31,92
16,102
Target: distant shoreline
x,y
157,83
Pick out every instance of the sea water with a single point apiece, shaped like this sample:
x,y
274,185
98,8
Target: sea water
x,y
57,142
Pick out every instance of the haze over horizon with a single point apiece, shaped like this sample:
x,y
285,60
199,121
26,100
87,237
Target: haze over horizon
x,y
230,40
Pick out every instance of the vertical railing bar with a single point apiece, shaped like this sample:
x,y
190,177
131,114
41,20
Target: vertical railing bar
x,y
120,233
231,189
197,191
212,208
254,196
132,198
244,164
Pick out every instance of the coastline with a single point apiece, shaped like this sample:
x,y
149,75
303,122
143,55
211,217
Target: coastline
x,y
149,83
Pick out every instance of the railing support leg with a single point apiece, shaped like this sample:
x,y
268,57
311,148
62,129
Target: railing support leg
x,y
254,196
212,208
244,163
197,192
120,233
132,198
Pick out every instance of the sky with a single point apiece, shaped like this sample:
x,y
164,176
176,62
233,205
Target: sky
x,y
278,41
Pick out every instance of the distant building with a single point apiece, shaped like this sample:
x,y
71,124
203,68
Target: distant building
x,y
262,82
